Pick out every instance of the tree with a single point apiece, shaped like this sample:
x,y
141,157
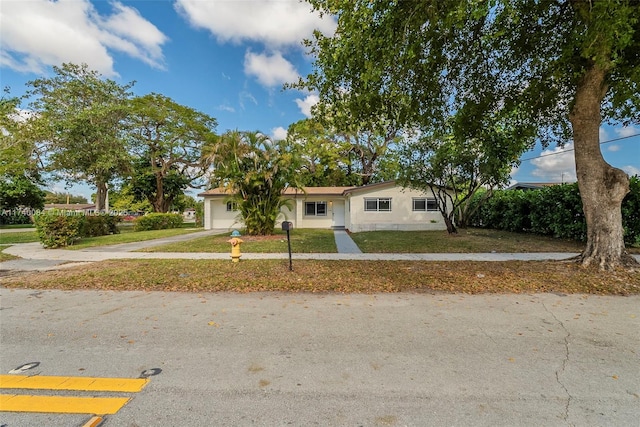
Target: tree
x,y
78,117
55,197
368,148
332,157
167,138
122,199
255,171
455,168
19,173
20,192
18,154
323,158
554,67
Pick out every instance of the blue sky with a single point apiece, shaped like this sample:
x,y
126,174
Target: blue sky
x,y
226,58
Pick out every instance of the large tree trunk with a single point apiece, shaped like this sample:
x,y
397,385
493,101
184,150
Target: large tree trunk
x,y
159,203
101,196
602,187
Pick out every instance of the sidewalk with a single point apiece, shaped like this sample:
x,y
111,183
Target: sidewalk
x,y
33,257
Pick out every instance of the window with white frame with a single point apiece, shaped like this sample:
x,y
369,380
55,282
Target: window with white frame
x,y
315,208
232,206
423,204
380,204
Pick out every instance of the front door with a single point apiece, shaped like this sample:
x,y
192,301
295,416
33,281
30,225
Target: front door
x,y
337,214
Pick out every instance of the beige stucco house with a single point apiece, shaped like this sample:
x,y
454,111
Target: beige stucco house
x,y
381,206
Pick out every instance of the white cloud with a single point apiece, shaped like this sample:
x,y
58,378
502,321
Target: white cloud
x,y
626,131
613,148
273,23
39,33
244,95
271,70
228,108
631,170
305,104
278,133
555,165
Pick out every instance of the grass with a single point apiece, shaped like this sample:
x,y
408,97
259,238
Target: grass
x,y
302,241
127,235
322,241
6,257
341,276
28,236
12,226
334,276
466,241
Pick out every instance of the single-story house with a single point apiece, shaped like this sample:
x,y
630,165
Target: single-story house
x,y
86,208
380,206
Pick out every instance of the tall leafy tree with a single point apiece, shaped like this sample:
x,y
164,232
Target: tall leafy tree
x,y
366,149
19,168
323,157
255,170
454,168
555,67
122,199
57,197
78,118
18,153
334,152
19,191
167,138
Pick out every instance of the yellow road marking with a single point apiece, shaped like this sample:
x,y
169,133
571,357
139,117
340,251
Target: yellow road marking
x,y
61,404
129,385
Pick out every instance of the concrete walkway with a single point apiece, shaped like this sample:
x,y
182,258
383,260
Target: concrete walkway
x,y
345,243
33,257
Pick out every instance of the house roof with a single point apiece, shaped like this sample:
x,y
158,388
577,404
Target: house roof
x,y
317,191
309,191
377,185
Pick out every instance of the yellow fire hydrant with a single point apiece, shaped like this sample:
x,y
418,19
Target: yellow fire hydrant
x,y
235,248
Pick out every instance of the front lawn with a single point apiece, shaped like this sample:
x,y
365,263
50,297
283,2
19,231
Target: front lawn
x,y
322,241
28,236
127,235
302,241
472,240
335,276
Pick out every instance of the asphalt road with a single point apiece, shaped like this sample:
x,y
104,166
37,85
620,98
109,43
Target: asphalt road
x,y
334,360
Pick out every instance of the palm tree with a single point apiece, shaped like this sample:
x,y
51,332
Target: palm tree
x,y
255,170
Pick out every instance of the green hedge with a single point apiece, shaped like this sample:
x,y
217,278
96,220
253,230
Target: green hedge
x,y
13,217
100,225
58,229
158,221
553,211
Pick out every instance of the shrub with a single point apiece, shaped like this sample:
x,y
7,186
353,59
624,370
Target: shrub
x,y
56,230
200,214
554,211
158,221
100,225
14,216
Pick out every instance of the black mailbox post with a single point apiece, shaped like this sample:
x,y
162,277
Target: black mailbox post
x,y
287,226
